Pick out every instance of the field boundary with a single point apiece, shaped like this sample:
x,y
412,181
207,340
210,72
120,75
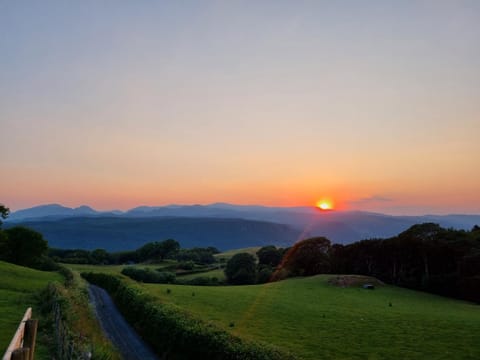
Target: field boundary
x,y
177,335
22,345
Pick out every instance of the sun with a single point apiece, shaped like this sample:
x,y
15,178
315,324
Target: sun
x,y
324,205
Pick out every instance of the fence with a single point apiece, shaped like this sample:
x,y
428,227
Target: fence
x,y
67,348
22,346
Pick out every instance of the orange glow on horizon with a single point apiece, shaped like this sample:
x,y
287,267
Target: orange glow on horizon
x,y
325,205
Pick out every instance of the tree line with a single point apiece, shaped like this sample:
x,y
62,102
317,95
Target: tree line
x,y
155,251
425,257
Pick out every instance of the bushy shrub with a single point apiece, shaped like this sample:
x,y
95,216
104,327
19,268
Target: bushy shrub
x,y
67,274
149,276
241,269
264,274
186,265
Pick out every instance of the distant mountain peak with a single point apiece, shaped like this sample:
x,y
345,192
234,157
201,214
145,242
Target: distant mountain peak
x,y
51,210
84,209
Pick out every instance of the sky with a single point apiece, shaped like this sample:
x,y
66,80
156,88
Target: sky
x,y
374,105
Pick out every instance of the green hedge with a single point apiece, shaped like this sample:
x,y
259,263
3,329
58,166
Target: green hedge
x,y
175,334
149,276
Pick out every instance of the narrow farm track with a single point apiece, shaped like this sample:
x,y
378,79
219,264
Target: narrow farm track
x,y
122,335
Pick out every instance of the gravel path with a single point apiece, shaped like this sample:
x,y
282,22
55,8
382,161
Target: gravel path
x,y
122,335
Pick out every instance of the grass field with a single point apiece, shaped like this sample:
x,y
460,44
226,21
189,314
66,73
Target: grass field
x,y
316,320
113,269
18,287
218,273
117,269
228,254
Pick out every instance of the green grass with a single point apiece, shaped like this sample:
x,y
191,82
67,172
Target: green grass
x,y
316,320
218,273
117,269
18,288
113,269
82,321
228,254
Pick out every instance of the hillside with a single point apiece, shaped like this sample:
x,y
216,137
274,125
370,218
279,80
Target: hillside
x,y
117,233
83,227
316,320
18,286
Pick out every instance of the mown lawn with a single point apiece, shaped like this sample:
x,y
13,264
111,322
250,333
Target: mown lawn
x,y
18,288
316,320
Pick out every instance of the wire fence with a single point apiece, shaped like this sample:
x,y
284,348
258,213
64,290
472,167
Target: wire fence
x,y
66,346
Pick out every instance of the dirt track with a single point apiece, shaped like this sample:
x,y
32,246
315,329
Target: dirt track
x,y
122,335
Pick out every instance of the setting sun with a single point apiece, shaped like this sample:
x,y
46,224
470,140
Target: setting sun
x,y
324,205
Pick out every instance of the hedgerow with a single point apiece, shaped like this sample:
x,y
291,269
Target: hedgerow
x,y
177,335
149,276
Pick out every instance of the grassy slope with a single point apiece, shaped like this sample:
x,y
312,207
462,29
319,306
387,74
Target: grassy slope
x,y
218,273
228,254
316,320
18,286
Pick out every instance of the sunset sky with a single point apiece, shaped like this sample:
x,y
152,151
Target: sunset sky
x,y
374,105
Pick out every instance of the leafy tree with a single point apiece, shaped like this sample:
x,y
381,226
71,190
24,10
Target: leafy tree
x,y
308,257
4,212
197,255
170,248
100,256
264,274
269,255
425,257
241,269
149,276
158,250
23,246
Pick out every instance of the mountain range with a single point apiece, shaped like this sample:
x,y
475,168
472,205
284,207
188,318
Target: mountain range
x,y
225,226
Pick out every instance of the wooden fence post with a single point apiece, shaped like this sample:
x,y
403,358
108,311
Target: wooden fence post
x,y
30,337
17,340
21,354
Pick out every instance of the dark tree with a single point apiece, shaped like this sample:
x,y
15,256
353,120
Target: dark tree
x,y
23,246
197,255
158,250
4,212
100,256
264,274
308,257
241,269
269,255
425,257
170,248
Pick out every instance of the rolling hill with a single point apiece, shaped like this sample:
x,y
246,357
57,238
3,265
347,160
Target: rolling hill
x,y
118,233
222,225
